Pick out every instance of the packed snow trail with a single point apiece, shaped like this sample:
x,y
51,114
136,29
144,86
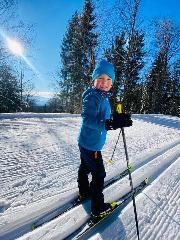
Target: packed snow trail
x,y
33,212
158,212
90,226
39,159
69,222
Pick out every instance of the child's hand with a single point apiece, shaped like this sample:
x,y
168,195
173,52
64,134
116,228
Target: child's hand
x,y
109,124
118,121
122,120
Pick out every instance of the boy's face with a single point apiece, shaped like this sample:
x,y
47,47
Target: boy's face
x,y
103,83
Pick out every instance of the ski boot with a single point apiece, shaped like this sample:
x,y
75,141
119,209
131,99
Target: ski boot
x,y
106,210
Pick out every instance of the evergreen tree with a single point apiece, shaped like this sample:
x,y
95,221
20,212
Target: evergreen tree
x,y
116,55
156,85
89,40
10,99
172,98
128,61
77,56
159,93
133,65
71,71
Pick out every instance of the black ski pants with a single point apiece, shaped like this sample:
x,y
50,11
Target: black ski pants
x,y
92,162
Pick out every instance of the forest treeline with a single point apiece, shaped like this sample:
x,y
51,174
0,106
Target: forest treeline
x,y
146,59
147,78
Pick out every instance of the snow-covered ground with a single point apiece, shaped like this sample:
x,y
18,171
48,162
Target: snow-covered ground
x,y
39,159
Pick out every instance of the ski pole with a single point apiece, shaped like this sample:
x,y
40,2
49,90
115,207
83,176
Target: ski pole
x,y
119,109
110,160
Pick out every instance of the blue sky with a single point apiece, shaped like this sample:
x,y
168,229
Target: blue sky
x,y
51,19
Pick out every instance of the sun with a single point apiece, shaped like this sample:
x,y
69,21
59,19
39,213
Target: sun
x,y
15,47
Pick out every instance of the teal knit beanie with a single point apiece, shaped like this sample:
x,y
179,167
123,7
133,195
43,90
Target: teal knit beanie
x,y
104,67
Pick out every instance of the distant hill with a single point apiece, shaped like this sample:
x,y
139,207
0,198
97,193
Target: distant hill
x,y
41,101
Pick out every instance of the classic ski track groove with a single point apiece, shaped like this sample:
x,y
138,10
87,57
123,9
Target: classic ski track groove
x,y
156,156
66,174
154,159
159,218
54,147
149,160
88,233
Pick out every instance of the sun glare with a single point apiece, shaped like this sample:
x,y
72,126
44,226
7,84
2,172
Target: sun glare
x,y
15,47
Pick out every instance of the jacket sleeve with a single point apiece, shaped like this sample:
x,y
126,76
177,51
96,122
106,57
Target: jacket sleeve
x,y
90,113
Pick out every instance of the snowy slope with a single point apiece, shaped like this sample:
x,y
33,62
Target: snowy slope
x,y
158,212
39,159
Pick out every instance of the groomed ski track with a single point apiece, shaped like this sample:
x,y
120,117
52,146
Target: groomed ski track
x,y
73,219
158,215
152,163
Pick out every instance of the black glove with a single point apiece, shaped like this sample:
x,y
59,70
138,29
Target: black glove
x,y
122,120
118,121
109,124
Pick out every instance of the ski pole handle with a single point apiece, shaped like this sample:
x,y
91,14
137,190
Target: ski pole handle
x,y
119,108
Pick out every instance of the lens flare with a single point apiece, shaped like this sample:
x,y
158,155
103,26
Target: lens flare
x,y
15,47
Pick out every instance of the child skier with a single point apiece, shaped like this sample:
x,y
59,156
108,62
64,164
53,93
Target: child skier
x,y
96,120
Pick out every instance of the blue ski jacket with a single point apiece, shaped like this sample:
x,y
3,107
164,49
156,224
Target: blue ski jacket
x,y
95,110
